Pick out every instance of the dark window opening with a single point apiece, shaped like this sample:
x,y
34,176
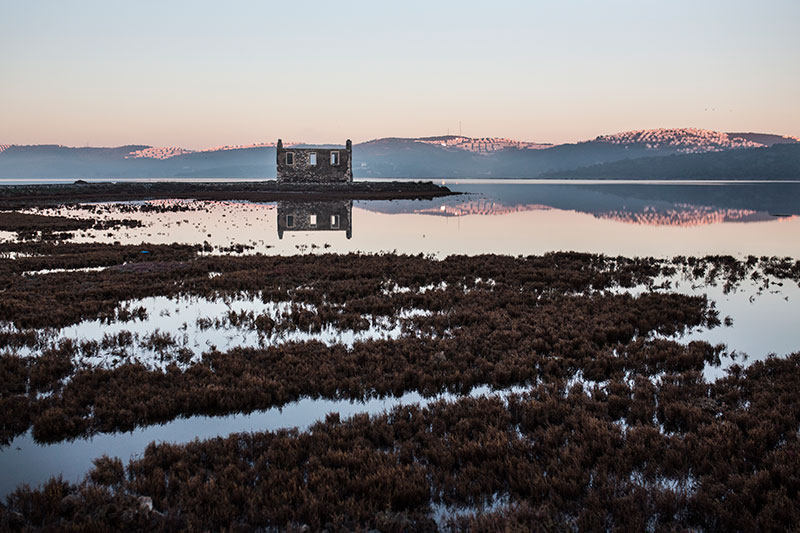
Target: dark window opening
x,y
289,221
290,158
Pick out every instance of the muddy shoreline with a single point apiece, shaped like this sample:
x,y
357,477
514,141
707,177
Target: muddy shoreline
x,y
23,196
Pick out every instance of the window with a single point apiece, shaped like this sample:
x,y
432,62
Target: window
x,y
334,158
334,221
289,221
290,158
312,159
312,220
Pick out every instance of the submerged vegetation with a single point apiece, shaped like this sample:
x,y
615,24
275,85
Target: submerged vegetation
x,y
617,429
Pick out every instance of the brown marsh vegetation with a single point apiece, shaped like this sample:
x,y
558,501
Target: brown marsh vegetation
x,y
617,430
65,298
677,454
54,228
540,319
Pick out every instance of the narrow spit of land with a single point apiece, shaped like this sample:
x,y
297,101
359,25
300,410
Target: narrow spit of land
x,y
617,429
22,196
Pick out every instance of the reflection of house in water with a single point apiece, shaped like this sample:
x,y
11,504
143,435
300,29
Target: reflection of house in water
x,y
328,215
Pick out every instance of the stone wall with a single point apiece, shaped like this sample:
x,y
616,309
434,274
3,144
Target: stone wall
x,y
302,171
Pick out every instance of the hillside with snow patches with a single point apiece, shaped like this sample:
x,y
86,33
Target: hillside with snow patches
x,y
684,140
481,145
165,152
681,140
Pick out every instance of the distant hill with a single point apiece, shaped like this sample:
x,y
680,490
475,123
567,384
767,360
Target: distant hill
x,y
443,157
779,162
118,163
426,157
56,161
480,145
681,140
767,139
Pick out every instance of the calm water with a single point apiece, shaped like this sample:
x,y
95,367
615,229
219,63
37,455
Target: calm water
x,y
510,217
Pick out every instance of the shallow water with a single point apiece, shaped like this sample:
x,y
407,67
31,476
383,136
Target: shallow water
x,y
198,325
764,320
764,323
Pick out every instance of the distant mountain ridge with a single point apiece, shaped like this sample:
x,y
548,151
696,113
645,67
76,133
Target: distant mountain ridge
x,y
391,157
781,161
767,139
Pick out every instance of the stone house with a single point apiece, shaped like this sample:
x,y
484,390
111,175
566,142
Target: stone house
x,y
317,164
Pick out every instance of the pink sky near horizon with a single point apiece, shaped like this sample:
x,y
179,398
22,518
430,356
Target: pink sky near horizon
x,y
198,74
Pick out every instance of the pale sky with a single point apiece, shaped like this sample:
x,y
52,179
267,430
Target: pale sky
x,y
206,73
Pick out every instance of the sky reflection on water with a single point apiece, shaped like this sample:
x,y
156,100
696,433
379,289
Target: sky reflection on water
x,y
523,217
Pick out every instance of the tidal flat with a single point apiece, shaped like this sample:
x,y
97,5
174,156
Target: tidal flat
x,y
390,391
